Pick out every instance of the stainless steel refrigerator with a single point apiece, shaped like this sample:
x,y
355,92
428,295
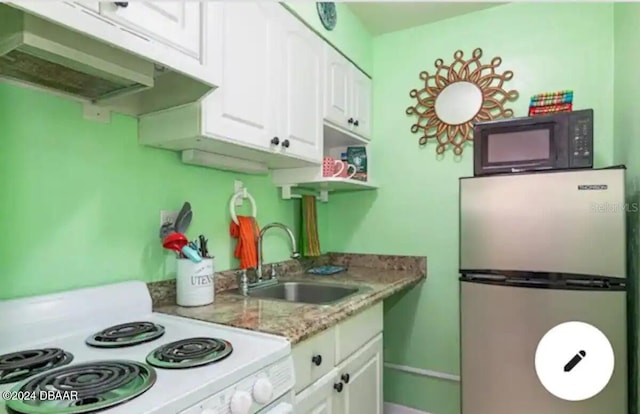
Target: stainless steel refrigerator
x,y
537,250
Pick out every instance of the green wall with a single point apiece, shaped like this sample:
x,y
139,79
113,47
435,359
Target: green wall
x,y
627,151
349,36
415,211
82,199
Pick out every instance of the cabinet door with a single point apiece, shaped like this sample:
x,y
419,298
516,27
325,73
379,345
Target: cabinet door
x,y
301,90
338,90
361,376
177,23
242,109
318,398
361,103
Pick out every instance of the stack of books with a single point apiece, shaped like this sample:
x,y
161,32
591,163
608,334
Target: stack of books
x,y
551,102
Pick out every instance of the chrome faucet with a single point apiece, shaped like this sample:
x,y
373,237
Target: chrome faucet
x,y
294,252
243,278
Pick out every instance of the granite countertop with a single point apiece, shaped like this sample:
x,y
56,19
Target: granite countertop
x,y
298,321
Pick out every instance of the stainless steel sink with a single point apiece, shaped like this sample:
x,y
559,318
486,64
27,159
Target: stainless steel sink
x,y
304,292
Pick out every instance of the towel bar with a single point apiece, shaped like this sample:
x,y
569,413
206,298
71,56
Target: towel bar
x,y
232,208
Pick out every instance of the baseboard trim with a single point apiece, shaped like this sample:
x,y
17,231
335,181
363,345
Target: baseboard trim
x,y
423,372
390,408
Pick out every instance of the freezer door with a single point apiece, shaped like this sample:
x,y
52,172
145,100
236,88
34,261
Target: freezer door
x,y
558,222
500,330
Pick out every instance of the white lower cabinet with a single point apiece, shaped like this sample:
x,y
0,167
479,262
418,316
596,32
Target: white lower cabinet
x,y
361,379
353,386
318,398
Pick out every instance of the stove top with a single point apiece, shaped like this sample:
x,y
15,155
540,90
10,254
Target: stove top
x,y
17,366
84,388
126,334
113,375
189,353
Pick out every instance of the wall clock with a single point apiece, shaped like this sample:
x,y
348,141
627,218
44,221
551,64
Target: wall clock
x,y
328,14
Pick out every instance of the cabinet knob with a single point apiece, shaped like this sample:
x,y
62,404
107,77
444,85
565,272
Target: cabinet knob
x,y
356,123
275,140
317,360
122,4
350,121
345,378
285,143
338,387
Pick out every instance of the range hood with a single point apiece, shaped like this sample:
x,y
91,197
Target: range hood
x,y
37,52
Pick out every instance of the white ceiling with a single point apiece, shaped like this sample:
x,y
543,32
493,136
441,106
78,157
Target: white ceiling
x,y
384,17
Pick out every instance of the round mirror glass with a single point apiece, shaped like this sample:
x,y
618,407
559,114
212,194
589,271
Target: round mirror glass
x,y
458,102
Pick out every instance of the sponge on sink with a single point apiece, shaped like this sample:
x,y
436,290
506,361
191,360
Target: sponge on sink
x,y
326,270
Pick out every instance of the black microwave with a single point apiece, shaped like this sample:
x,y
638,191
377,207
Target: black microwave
x,y
544,142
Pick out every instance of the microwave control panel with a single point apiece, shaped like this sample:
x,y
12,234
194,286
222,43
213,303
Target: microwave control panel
x,y
581,140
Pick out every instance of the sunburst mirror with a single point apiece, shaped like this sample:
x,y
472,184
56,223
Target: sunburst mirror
x,y
458,95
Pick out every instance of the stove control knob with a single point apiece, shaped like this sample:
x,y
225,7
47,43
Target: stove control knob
x,y
262,391
241,403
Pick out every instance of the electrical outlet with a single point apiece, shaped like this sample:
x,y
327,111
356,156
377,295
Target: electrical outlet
x,y
167,216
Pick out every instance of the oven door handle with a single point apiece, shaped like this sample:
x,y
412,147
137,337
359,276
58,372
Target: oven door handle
x,y
282,408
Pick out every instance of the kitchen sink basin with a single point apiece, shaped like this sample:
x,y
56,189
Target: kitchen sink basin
x,y
304,292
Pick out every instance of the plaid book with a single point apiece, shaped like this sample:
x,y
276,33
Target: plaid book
x,y
551,95
552,101
550,109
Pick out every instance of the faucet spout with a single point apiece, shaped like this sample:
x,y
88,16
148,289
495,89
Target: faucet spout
x,y
294,251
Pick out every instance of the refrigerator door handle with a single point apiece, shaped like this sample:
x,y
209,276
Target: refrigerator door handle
x,y
483,277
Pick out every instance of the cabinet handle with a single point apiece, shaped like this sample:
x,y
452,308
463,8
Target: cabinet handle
x,y
350,121
356,123
122,4
338,387
345,378
285,143
317,360
275,140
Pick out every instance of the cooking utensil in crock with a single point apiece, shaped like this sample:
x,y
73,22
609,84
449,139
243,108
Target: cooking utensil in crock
x,y
184,218
179,243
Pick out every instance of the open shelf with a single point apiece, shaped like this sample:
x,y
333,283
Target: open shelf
x,y
297,181
324,186
339,137
336,184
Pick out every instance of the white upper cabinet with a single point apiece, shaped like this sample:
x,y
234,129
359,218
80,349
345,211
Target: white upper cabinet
x,y
243,108
301,89
172,33
267,108
270,94
177,23
347,100
361,103
337,87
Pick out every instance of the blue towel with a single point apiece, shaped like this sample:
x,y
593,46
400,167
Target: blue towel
x,y
326,270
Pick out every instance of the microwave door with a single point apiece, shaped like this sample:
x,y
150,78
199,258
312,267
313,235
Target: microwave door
x,y
558,222
522,147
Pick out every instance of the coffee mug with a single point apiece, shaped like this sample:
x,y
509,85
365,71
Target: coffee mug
x,y
329,165
342,169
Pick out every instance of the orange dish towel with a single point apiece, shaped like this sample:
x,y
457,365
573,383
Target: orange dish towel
x,y
247,234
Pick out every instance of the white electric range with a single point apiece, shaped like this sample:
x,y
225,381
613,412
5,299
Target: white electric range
x,y
103,350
